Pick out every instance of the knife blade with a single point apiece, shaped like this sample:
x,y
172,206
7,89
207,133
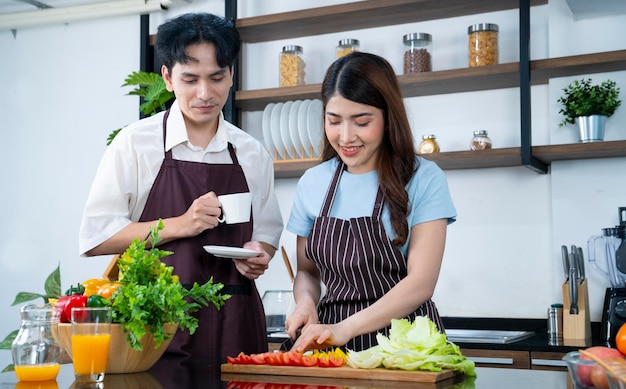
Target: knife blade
x,y
573,292
581,264
573,261
565,258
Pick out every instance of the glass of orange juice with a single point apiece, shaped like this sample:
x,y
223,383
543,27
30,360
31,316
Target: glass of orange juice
x,y
91,335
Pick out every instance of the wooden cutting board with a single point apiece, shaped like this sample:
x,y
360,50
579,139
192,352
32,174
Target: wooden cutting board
x,y
341,372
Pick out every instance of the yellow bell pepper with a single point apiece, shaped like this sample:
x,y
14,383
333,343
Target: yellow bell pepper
x,y
93,284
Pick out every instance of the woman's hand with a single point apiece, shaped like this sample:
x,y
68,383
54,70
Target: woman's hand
x,y
253,268
301,316
316,336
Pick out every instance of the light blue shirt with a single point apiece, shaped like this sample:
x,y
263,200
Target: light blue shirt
x,y
429,197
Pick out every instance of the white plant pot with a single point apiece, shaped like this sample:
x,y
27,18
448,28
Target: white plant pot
x,y
591,128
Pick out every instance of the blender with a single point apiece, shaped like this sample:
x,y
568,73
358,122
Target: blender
x,y
607,255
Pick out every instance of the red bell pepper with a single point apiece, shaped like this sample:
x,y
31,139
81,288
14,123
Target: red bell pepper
x,y
63,306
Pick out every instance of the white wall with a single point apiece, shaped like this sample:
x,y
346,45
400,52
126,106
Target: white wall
x,y
61,98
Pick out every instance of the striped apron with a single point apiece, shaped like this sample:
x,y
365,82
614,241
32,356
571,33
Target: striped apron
x,y
358,264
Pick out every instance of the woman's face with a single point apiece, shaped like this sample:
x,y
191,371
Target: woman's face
x,y
355,131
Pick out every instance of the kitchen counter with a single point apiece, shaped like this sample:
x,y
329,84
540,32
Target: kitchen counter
x,y
190,373
540,341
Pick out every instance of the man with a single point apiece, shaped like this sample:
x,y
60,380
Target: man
x,y
172,166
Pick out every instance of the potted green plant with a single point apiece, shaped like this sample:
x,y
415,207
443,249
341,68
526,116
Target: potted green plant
x,y
589,106
151,87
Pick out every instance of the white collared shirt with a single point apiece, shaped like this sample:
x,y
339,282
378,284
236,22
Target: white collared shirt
x,y
132,161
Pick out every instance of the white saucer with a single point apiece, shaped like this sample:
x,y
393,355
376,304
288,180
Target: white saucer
x,y
231,252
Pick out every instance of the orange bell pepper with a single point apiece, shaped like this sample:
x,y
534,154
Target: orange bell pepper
x,y
108,289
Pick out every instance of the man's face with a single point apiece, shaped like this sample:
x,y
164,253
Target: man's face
x,y
201,86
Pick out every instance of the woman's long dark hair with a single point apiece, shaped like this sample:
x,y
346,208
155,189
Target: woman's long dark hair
x,y
369,79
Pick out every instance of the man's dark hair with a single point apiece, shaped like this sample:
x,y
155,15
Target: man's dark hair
x,y
176,34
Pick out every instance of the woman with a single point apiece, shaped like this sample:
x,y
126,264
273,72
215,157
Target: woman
x,y
371,219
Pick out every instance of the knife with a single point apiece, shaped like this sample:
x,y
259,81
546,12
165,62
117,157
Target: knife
x,y
565,258
573,292
573,261
581,264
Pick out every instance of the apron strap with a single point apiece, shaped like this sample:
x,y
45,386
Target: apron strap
x,y
378,205
168,153
332,190
332,193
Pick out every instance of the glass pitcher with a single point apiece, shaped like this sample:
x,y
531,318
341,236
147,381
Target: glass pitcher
x,y
278,304
602,251
36,353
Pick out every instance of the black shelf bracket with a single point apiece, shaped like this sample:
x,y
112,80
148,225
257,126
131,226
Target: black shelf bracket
x,y
231,113
528,160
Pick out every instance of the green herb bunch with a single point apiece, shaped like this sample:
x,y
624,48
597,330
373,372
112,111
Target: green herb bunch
x,y
152,297
583,99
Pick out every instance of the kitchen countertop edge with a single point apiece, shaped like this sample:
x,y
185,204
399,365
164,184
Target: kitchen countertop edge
x,y
538,342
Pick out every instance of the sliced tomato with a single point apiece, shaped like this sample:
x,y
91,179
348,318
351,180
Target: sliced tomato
x,y
257,359
294,358
322,361
308,360
274,359
334,361
239,359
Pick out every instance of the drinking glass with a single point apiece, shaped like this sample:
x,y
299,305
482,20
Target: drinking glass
x,y
91,336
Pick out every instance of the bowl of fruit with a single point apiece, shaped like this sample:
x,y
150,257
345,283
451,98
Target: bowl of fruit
x,y
597,367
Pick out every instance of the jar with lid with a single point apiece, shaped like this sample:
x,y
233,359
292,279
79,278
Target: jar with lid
x,y
347,46
483,44
417,56
291,66
480,141
428,145
36,353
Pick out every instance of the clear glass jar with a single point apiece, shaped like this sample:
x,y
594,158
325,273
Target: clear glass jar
x,y
291,66
36,353
347,46
483,44
428,145
480,141
418,54
278,304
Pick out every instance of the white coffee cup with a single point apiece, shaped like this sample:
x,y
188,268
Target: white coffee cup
x,y
235,208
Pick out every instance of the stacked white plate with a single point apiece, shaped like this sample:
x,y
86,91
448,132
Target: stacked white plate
x,y
293,129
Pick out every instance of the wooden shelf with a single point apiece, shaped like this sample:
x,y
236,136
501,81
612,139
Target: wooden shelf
x,y
592,150
378,13
362,14
455,81
482,159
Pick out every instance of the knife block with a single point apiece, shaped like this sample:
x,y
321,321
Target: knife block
x,y
576,326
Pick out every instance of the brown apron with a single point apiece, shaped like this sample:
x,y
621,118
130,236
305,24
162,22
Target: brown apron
x,y
358,264
239,326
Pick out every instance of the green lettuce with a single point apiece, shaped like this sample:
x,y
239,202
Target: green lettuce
x,y
413,346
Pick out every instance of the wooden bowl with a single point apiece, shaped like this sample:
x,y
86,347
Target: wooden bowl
x,y
122,358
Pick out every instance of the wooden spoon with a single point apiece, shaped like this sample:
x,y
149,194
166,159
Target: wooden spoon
x,y
287,263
